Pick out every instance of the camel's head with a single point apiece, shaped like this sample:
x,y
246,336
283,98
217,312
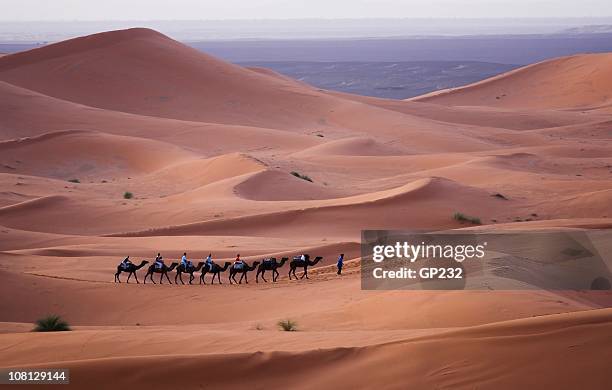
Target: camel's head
x,y
318,258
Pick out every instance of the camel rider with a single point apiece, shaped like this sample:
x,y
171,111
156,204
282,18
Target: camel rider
x,y
238,263
159,261
184,261
209,261
126,263
303,257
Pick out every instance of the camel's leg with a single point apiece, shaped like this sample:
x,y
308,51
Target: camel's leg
x,y
129,276
290,270
180,275
191,277
257,275
136,277
117,277
262,276
305,273
275,275
219,277
169,281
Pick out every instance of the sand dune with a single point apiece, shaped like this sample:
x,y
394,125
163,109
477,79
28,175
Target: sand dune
x,y
173,81
80,154
391,364
580,82
426,203
26,114
350,147
273,185
496,117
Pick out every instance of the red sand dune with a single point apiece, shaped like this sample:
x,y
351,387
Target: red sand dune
x,y
208,149
580,82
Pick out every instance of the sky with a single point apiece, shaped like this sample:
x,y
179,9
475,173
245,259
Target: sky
x,y
64,10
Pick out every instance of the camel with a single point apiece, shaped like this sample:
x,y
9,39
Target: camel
x,y
243,271
163,271
297,262
190,270
131,270
270,265
215,270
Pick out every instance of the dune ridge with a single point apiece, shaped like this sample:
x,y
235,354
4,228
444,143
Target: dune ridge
x,y
586,80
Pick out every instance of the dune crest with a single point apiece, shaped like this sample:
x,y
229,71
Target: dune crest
x,y
580,82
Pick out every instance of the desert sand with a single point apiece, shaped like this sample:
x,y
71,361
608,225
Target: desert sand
x,y
207,149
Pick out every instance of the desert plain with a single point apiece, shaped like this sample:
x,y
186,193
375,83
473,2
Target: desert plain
x,y
207,149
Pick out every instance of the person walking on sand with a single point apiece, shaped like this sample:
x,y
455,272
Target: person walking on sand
x,y
340,263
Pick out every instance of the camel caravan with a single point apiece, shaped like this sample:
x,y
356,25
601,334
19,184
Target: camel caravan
x,y
208,266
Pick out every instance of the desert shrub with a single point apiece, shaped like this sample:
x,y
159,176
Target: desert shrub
x,y
287,325
128,195
466,218
301,176
51,323
74,180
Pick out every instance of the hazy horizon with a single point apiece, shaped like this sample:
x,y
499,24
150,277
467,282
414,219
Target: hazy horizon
x,y
303,28
280,9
